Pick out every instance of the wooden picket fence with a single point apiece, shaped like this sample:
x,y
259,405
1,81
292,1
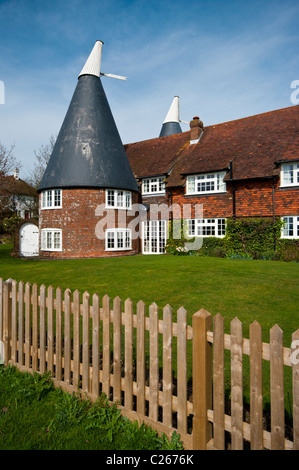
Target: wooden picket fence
x,y
93,346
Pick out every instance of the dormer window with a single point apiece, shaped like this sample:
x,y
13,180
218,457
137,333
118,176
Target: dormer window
x,y
51,199
152,186
118,199
206,183
289,174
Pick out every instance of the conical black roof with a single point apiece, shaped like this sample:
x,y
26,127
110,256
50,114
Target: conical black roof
x,y
170,128
171,123
88,151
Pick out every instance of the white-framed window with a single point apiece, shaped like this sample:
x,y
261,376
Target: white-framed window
x,y
51,239
289,174
206,183
153,186
118,239
206,227
118,199
291,227
154,235
51,199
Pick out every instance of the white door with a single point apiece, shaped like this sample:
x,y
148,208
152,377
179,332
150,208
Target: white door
x,y
154,237
29,240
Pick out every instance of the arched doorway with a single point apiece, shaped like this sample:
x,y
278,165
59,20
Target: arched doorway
x,y
28,239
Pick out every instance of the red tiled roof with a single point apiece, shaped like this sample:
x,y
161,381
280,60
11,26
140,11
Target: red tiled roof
x,y
155,156
17,186
254,145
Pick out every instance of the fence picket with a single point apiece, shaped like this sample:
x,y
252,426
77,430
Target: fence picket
x,y
167,366
6,321
14,321
58,342
106,346
50,329
236,385
117,342
42,329
277,389
256,394
95,344
35,323
76,338
218,381
67,337
182,370
21,324
129,354
28,325
295,378
140,353
154,362
86,353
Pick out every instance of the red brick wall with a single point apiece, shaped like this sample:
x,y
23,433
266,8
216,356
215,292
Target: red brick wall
x,y
254,198
79,219
220,205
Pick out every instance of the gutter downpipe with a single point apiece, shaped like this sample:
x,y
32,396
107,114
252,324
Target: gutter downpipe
x,y
273,202
234,190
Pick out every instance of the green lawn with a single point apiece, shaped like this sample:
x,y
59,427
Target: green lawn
x,y
266,291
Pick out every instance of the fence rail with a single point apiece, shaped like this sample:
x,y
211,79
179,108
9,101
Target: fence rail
x,y
96,346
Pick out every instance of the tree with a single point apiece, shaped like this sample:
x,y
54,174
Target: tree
x,y
42,156
8,164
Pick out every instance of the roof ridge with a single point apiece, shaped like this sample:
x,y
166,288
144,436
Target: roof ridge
x,y
252,116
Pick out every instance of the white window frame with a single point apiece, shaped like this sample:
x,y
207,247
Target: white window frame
x,y
149,185
205,180
290,230
289,175
154,236
118,199
202,227
48,239
118,235
49,199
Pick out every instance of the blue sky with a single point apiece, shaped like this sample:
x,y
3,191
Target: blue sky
x,y
224,59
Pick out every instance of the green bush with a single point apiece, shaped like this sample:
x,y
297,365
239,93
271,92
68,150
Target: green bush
x,y
248,238
255,236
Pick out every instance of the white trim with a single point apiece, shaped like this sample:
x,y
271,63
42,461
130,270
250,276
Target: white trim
x,y
115,231
44,242
289,174
159,181
294,222
160,239
49,194
212,178
115,205
212,224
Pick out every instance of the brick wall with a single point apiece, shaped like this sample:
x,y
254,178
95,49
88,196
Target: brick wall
x,y
253,198
82,224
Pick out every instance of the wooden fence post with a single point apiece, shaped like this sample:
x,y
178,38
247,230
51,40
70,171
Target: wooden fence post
x,y
202,379
7,312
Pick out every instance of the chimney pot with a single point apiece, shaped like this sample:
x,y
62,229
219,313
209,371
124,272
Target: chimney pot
x,y
16,173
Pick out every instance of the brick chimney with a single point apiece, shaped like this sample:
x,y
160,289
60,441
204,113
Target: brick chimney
x,y
196,130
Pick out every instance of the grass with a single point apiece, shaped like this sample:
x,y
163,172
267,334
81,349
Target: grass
x,y
266,291
55,420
